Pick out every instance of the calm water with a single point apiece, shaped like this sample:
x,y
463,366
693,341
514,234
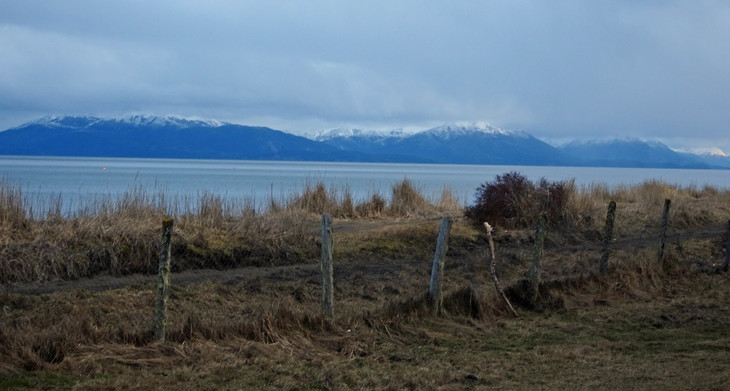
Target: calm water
x,y
79,181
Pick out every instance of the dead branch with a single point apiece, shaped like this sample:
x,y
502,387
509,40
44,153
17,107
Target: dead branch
x,y
492,269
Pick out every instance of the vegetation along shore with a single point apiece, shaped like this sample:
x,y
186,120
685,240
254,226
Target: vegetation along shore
x,y
605,288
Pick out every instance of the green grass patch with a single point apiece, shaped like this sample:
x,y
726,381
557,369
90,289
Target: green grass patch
x,y
40,380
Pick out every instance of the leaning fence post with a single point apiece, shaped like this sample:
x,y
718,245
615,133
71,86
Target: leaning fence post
x,y
493,269
663,228
326,267
437,269
537,259
163,281
607,237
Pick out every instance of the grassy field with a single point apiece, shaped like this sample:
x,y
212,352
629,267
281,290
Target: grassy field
x,y
77,300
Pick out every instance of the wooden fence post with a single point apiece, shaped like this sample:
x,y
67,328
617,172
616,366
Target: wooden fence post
x,y
163,281
437,269
725,264
607,237
537,258
663,228
326,267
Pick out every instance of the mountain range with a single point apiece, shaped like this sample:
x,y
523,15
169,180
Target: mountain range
x,y
149,136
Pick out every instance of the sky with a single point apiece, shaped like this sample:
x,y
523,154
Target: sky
x,y
560,70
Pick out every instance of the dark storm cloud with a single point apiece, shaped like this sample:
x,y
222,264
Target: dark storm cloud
x,y
559,69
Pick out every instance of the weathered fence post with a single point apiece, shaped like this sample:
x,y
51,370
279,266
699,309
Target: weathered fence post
x,y
327,283
607,237
163,281
537,258
493,269
725,264
663,229
437,269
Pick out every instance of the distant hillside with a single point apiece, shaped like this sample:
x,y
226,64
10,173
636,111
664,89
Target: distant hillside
x,y
630,153
161,137
173,137
458,144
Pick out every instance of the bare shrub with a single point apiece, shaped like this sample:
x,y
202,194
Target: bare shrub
x,y
556,198
513,201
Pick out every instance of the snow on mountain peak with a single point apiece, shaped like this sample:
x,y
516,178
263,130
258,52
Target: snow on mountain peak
x,y
601,142
167,120
461,128
65,121
711,151
81,121
354,132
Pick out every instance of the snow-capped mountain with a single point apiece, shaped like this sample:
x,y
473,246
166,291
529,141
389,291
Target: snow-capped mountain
x,y
712,151
137,120
715,157
169,120
460,129
466,143
340,133
459,143
629,152
159,137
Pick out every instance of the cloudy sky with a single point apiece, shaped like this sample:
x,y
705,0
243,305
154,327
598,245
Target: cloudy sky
x,y
560,70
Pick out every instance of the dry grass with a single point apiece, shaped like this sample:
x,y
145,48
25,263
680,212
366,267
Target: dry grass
x,y
640,207
642,326
647,324
122,237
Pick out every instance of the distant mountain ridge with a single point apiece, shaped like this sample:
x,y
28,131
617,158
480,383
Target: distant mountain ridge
x,y
79,122
631,152
459,143
160,137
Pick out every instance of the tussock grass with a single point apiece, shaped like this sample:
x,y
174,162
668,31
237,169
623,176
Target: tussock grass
x,y
639,208
406,199
121,236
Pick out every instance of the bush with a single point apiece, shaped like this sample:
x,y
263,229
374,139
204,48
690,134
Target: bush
x,y
511,200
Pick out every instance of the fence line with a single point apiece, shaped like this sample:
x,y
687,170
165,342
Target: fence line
x,y
607,237
435,293
536,268
435,290
163,281
663,229
326,267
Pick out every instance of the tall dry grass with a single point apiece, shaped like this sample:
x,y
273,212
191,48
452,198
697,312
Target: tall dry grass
x,y
640,207
121,236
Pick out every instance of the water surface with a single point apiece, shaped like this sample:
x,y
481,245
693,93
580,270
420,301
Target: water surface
x,y
79,181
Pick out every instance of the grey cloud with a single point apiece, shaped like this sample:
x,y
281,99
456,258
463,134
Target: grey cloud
x,y
559,69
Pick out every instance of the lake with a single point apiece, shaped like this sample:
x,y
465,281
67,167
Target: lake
x,y
80,181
